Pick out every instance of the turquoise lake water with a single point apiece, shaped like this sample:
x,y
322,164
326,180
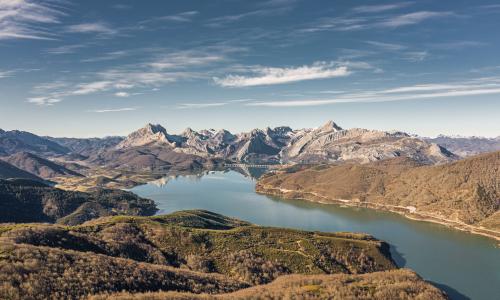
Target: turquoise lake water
x,y
466,266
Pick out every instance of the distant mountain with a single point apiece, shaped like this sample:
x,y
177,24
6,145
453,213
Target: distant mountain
x,y
328,143
149,135
331,143
467,146
88,146
39,166
153,148
15,141
9,171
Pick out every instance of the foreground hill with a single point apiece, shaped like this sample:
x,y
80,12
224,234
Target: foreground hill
x,y
23,201
464,194
394,284
38,166
190,251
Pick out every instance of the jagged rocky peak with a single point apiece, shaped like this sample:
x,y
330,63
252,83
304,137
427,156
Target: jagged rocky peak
x,y
224,136
2,131
149,134
189,132
281,130
154,128
330,126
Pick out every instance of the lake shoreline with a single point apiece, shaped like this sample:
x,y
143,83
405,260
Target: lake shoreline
x,y
408,212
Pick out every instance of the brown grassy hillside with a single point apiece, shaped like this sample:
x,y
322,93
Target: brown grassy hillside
x,y
465,191
395,284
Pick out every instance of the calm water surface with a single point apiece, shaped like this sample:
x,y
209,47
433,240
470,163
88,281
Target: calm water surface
x,y
465,265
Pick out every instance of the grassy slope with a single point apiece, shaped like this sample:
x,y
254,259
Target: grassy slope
x,y
133,253
467,191
394,284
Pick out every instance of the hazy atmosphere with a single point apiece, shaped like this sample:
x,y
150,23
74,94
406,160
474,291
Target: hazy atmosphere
x,y
96,68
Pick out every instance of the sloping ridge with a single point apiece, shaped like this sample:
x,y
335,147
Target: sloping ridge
x,y
9,171
465,192
39,166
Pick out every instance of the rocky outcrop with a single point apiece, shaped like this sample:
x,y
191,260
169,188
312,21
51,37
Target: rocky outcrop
x,y
329,143
149,135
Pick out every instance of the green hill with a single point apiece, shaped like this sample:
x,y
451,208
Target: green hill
x,y
193,251
23,201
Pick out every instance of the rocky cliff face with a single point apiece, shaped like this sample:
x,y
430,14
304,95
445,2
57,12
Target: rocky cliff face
x,y
331,143
152,146
148,135
328,143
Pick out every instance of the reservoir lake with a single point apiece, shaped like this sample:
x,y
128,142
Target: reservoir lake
x,y
464,265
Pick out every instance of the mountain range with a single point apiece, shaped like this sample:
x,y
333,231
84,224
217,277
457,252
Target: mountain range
x,y
467,146
152,148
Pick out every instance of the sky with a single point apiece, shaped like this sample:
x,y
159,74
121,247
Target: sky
x,y
98,68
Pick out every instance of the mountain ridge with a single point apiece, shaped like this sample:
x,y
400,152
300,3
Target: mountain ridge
x,y
463,194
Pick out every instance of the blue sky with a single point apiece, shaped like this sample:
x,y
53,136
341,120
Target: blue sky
x,y
95,68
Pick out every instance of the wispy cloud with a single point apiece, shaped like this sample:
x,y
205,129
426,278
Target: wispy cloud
x,y
5,74
111,110
92,87
380,8
96,28
122,94
11,73
454,45
27,19
366,22
44,101
483,86
200,105
108,56
387,46
65,49
186,16
416,56
414,18
270,76
152,73
183,59
264,12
